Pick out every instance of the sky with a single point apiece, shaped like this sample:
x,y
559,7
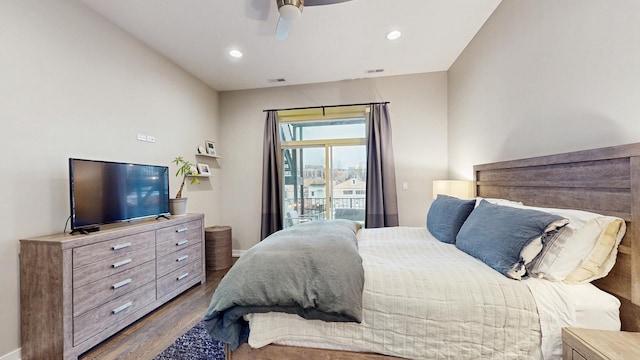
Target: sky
x,y
344,157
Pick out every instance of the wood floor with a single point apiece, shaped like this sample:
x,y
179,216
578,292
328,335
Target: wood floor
x,y
150,335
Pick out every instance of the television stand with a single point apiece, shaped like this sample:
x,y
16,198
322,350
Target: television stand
x,y
77,291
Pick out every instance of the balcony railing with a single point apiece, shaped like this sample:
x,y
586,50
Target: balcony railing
x,y
343,208
311,204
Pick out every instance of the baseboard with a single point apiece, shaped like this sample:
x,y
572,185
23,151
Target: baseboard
x,y
14,355
234,253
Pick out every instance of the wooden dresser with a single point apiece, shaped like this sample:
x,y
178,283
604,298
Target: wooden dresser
x,y
588,344
77,290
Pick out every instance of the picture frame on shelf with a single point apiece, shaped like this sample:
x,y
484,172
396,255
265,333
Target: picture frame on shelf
x,y
203,169
210,147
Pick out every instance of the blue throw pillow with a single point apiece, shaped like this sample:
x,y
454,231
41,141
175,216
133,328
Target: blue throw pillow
x,y
499,236
446,215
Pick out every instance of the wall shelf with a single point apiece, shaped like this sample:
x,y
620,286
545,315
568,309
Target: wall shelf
x,y
209,156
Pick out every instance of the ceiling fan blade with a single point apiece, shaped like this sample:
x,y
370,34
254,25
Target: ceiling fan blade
x,y
322,2
257,10
283,28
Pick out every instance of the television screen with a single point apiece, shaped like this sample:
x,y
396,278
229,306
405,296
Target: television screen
x,y
105,192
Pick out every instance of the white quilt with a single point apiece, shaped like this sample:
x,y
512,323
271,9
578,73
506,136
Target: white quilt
x,y
422,300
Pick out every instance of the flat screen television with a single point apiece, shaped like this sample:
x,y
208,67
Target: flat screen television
x,y
103,192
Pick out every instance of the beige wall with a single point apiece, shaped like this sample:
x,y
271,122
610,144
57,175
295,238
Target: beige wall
x,y
73,85
418,109
543,77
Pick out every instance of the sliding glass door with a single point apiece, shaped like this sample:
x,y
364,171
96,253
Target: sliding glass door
x,y
324,170
304,185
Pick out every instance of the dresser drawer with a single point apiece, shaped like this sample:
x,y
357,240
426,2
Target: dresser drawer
x,y
85,255
183,276
167,238
167,247
179,259
107,267
97,293
121,309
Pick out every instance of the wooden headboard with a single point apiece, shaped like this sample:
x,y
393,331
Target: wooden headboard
x,y
605,181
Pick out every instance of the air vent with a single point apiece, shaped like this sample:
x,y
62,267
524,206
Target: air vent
x,y
273,81
374,71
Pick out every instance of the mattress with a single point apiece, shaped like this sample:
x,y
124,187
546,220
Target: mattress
x,y
411,310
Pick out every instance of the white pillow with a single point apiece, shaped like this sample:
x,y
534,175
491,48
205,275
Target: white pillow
x,y
499,202
586,248
602,257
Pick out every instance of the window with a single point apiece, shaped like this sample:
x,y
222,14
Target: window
x,y
324,157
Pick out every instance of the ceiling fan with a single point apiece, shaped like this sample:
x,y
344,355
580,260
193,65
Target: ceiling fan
x,y
290,11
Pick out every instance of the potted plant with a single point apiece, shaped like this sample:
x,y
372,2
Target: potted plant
x,y
178,205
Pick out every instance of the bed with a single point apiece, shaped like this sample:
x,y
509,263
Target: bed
x,y
604,181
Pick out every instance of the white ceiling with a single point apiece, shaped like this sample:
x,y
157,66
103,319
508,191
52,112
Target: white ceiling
x,y
328,43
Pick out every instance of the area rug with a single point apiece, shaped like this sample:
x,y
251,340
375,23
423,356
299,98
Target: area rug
x,y
195,344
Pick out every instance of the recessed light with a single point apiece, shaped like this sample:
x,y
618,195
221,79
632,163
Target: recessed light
x,y
235,53
393,35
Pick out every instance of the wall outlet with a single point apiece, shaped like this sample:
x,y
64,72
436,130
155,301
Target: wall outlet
x,y
142,137
151,138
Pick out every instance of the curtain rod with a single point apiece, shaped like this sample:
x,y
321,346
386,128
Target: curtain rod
x,y
326,106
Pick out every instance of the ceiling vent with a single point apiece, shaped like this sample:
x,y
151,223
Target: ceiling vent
x,y
374,71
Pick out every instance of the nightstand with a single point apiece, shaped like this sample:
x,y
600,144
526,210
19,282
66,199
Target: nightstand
x,y
587,344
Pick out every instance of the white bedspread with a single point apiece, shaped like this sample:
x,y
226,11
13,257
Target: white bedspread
x,y
422,300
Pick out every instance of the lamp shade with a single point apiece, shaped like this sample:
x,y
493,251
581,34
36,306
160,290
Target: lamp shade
x,y
462,189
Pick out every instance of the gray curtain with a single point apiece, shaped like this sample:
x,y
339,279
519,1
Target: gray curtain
x,y
382,201
271,177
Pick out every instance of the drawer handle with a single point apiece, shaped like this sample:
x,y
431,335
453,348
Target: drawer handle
x,y
181,230
121,263
183,257
180,243
122,283
121,308
121,246
183,276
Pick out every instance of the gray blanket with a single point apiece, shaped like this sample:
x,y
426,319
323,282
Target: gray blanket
x,y
312,270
